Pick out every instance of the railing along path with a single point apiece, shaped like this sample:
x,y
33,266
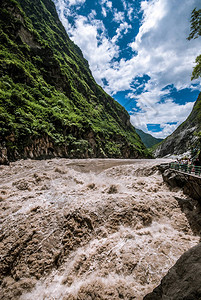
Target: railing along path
x,y
186,168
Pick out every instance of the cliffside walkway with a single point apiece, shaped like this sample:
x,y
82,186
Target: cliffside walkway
x,y
188,169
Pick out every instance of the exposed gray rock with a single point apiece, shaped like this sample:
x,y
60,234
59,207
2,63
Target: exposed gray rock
x,y
185,203
3,155
174,178
183,138
179,142
183,281
191,184
163,167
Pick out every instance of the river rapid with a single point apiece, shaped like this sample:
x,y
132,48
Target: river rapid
x,y
89,229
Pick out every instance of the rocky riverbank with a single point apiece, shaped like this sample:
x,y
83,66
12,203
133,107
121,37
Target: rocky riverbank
x,y
183,281
90,229
191,184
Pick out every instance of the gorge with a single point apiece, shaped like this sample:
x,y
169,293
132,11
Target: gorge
x,y
85,214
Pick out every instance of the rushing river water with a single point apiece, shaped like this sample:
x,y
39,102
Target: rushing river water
x,y
89,229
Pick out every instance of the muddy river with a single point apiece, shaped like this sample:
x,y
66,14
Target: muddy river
x,y
89,229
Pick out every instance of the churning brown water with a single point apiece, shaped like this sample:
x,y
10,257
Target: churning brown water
x,y
89,229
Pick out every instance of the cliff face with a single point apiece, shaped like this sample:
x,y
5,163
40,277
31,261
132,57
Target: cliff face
x,y
190,184
183,138
50,105
183,281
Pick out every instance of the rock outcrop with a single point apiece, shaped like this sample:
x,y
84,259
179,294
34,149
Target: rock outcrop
x,y
183,138
190,184
183,281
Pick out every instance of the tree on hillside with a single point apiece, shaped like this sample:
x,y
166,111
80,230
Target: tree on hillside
x,y
199,145
195,33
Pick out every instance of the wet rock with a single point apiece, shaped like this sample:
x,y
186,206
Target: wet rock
x,y
193,188
3,155
173,178
163,167
185,203
183,281
191,184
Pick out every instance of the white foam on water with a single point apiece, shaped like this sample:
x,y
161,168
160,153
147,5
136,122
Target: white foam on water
x,y
139,230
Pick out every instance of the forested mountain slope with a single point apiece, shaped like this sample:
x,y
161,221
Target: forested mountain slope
x,y
50,104
147,138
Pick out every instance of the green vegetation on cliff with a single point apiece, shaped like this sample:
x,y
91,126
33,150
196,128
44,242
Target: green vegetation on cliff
x,y
194,34
48,97
148,139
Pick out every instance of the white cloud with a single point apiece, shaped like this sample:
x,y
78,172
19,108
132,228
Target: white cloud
x,y
104,11
160,50
169,60
92,15
130,13
122,29
130,9
163,53
76,2
153,12
118,16
161,47
163,114
98,52
162,40
124,4
109,4
106,6
62,12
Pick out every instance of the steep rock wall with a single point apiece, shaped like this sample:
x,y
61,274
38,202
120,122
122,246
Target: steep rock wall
x,y
190,184
183,281
183,138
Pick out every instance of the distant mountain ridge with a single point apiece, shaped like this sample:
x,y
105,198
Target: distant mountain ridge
x,y
147,138
183,138
50,104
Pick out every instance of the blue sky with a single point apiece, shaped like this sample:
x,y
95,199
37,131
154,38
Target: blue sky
x,y
138,52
